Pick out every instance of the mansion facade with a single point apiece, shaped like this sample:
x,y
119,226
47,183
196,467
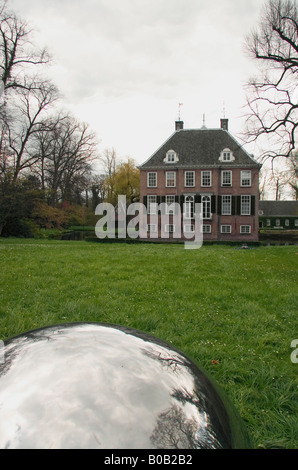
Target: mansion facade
x,y
206,166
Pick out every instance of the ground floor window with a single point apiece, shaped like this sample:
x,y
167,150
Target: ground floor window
x,y
170,228
226,229
206,228
245,229
152,228
189,228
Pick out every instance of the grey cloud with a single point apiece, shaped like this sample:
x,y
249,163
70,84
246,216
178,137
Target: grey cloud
x,y
154,47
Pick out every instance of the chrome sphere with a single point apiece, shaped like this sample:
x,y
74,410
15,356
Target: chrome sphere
x,y
94,385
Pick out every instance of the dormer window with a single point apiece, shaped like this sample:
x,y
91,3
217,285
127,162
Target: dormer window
x,y
226,156
171,157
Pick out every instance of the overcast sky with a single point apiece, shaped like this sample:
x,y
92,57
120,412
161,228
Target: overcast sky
x,y
123,66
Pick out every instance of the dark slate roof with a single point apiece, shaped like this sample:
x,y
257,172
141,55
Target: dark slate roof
x,y
199,148
279,208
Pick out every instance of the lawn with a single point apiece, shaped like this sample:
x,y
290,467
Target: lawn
x,y
232,311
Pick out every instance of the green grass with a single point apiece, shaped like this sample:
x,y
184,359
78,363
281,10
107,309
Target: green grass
x,y
233,311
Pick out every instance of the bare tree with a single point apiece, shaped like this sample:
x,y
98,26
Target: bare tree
x,y
26,96
65,151
16,53
293,174
279,179
97,188
272,99
262,184
174,430
278,183
23,118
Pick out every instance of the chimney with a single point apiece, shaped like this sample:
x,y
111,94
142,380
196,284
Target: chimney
x,y
224,124
179,125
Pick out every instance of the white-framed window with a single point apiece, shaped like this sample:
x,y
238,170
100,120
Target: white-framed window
x,y
170,179
226,229
245,205
152,204
206,201
169,228
226,203
226,156
189,207
268,223
206,228
152,179
206,178
287,223
170,201
189,228
152,228
189,179
171,157
277,222
246,178
296,222
226,178
245,229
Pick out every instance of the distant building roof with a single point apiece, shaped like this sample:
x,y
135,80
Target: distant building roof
x,y
199,148
279,208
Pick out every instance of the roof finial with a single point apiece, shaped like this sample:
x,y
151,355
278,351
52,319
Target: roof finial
x,y
204,122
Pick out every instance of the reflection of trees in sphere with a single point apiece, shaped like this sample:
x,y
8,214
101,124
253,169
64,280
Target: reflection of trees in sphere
x,y
92,385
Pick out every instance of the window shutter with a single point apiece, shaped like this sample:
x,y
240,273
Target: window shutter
x,y
145,201
233,205
198,199
238,205
213,204
182,203
219,205
253,205
158,200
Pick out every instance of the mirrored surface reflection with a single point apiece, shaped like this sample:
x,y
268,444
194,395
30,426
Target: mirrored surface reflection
x,y
92,385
